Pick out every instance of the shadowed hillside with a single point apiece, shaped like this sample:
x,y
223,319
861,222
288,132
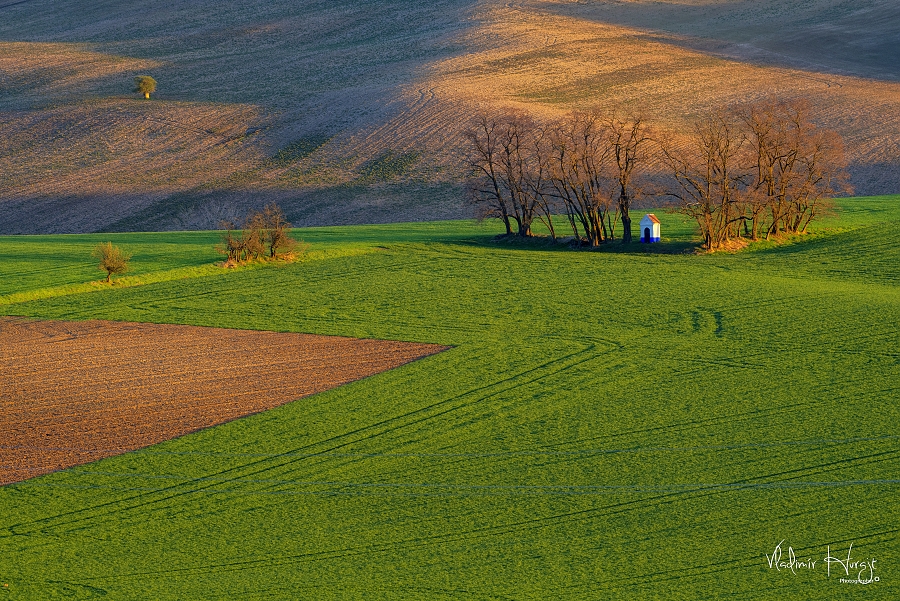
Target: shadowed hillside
x,y
849,37
350,112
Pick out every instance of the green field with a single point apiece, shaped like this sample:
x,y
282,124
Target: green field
x,y
608,425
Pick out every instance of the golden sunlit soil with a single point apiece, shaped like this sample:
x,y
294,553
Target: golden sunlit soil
x,y
75,392
525,57
548,64
123,147
36,71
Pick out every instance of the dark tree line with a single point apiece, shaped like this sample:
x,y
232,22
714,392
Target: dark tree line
x,y
744,172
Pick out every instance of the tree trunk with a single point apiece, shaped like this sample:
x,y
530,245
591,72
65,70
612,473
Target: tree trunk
x,y
524,230
626,227
505,216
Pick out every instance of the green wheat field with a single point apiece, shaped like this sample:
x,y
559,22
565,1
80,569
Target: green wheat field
x,y
607,425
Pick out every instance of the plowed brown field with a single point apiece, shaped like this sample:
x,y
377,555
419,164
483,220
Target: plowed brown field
x,y
75,392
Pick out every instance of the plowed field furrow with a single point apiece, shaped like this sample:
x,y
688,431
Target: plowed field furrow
x,y
126,386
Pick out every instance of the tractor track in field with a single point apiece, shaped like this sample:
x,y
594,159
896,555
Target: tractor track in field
x,y
688,493
261,466
2,6
542,452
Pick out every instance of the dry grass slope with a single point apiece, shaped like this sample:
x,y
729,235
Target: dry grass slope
x,y
351,112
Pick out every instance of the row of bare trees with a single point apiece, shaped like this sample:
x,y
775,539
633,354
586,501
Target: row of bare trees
x,y
583,166
263,234
757,169
746,171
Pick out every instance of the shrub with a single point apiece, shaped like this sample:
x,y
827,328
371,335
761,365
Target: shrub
x,y
112,259
265,234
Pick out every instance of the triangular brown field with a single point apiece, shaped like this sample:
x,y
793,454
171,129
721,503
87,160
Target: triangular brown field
x,y
75,392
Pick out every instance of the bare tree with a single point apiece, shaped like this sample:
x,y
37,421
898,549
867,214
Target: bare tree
x,y
502,160
579,176
538,178
484,186
113,260
630,141
517,162
824,169
709,176
243,243
797,166
264,233
274,228
232,244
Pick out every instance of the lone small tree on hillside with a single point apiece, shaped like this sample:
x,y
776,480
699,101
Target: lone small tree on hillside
x,y
112,259
144,84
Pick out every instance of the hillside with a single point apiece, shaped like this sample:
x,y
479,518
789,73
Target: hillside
x,y
847,37
607,425
350,112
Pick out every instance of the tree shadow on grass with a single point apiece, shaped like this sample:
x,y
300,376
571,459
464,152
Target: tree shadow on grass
x,y
667,246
